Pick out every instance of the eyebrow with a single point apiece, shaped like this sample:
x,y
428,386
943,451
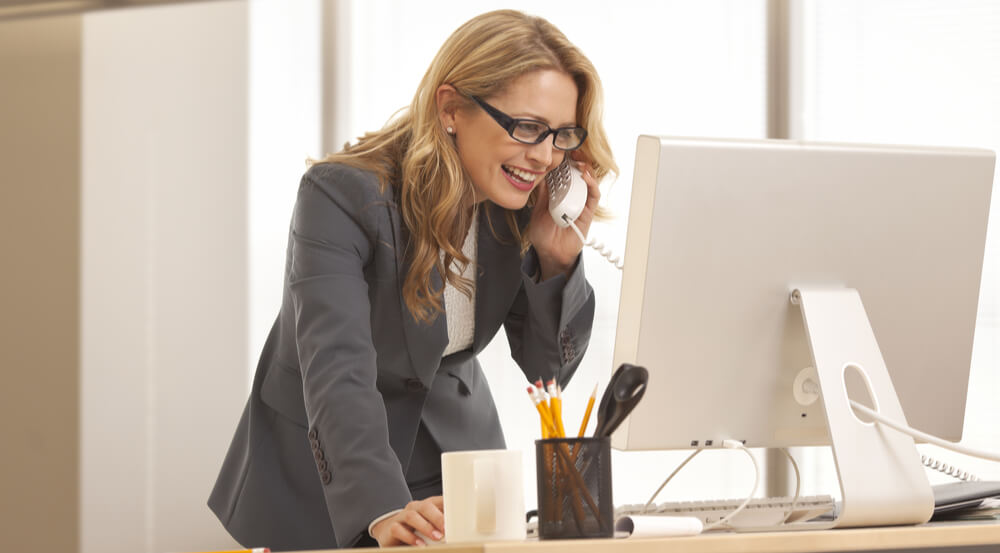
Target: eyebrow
x,y
525,115
534,117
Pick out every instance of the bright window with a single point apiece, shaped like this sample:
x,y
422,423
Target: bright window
x,y
894,71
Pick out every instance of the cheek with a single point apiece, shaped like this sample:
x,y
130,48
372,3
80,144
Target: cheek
x,y
472,151
475,161
483,158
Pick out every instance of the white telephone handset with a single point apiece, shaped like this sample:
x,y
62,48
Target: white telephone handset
x,y
567,193
567,198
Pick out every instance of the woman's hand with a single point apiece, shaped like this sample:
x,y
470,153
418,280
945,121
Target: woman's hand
x,y
559,247
425,516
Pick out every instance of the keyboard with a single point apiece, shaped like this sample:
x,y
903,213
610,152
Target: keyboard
x,y
760,513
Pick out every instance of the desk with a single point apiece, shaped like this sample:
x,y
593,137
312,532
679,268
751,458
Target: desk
x,y
964,537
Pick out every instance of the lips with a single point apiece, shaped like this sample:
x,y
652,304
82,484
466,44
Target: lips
x,y
522,180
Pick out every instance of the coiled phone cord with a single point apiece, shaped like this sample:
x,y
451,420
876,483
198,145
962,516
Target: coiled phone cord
x,y
950,470
601,248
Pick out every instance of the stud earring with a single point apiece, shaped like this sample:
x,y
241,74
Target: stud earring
x,y
451,130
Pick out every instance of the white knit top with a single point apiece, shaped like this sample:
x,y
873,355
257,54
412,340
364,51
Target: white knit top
x,y
460,311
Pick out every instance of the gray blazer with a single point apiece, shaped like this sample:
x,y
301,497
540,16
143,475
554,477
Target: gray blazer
x,y
347,374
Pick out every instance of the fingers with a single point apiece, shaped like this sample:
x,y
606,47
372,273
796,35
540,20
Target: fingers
x,y
432,510
402,534
593,187
389,532
425,516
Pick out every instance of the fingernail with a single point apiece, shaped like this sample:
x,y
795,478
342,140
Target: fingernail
x,y
420,542
437,535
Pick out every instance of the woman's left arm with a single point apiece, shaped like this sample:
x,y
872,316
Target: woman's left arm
x,y
549,324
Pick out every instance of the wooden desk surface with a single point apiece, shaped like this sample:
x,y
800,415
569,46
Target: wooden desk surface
x,y
897,538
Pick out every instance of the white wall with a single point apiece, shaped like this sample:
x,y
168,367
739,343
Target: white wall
x,y
164,271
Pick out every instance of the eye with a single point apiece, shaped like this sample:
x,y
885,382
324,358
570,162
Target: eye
x,y
529,129
569,137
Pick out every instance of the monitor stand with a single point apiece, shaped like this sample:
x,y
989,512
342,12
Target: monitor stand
x,y
881,477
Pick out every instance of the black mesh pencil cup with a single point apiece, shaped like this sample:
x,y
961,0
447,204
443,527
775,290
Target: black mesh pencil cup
x,y
574,488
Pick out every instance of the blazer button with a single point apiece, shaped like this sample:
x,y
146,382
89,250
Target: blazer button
x,y
318,454
326,476
414,385
321,466
314,444
313,434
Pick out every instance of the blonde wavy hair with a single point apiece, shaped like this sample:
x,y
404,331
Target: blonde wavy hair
x,y
414,154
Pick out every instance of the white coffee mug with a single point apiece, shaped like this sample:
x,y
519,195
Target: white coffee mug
x,y
483,496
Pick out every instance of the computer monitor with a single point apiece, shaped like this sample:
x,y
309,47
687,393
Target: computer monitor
x,y
720,235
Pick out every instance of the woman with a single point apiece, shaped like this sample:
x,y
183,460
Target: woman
x,y
407,251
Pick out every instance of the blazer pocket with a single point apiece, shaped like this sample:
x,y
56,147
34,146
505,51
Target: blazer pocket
x,y
462,366
282,391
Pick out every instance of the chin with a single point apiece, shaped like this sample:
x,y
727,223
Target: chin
x,y
504,194
513,202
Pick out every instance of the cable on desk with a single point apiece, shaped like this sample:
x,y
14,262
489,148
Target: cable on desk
x,y
733,444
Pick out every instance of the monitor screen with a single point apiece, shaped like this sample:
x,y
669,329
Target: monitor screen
x,y
722,231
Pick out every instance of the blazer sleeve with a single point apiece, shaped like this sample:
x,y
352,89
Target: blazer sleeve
x,y
333,236
549,324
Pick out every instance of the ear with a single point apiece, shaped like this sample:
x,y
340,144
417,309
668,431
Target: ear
x,y
448,101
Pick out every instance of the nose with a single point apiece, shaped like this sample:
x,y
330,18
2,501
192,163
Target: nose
x,y
542,152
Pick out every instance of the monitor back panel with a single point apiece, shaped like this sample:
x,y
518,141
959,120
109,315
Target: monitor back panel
x,y
721,231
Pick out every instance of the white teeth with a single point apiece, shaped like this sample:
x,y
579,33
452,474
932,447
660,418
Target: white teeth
x,y
521,175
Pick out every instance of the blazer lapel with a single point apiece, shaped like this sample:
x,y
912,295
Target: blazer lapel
x,y
425,343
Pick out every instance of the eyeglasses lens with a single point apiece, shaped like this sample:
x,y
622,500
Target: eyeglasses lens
x,y
530,131
569,139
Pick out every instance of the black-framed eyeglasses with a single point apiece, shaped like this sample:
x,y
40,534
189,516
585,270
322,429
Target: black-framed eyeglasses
x,y
531,131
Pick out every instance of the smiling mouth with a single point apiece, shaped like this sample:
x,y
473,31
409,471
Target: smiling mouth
x,y
522,177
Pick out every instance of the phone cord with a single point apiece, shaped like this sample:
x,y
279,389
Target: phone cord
x,y
952,471
601,248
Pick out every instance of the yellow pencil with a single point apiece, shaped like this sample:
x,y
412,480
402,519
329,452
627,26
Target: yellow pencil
x,y
547,428
586,414
541,421
540,386
556,407
546,404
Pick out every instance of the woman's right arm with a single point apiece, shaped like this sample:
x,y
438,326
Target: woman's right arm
x,y
333,237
